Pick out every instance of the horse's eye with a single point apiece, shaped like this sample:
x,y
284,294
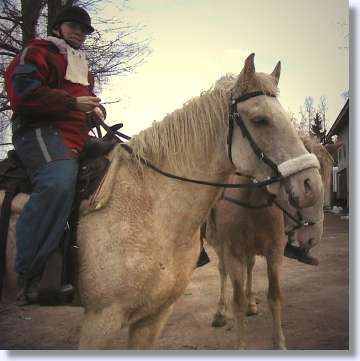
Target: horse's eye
x,y
261,121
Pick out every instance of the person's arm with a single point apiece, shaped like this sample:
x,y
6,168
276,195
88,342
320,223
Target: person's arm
x,y
27,86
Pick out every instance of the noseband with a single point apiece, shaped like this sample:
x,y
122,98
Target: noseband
x,y
282,170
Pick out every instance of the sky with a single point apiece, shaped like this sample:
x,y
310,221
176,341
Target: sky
x,y
195,42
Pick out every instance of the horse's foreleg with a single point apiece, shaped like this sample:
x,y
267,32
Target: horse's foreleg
x,y
274,300
144,333
236,271
219,319
101,327
252,308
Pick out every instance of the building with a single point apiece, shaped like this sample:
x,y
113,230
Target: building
x,y
340,128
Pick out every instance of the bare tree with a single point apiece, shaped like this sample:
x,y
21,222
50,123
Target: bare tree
x,y
111,52
309,108
322,109
309,112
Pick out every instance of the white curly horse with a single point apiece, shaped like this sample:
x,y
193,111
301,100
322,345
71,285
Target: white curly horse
x,y
137,253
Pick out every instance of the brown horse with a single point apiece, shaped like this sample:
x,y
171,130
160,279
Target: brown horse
x,y
137,252
238,234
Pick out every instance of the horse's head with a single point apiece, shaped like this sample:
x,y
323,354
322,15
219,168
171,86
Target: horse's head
x,y
263,141
310,235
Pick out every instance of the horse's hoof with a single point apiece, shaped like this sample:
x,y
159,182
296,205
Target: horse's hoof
x,y
219,320
279,345
252,310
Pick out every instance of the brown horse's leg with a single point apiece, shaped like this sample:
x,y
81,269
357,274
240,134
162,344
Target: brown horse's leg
x,y
252,308
274,299
236,271
144,333
219,319
101,327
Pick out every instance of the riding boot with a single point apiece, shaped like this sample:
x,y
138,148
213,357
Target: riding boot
x,y
297,253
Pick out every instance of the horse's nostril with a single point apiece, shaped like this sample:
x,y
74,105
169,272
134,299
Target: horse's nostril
x,y
294,200
307,185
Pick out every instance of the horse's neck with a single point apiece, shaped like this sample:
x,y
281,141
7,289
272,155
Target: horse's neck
x,y
183,205
246,195
191,146
193,200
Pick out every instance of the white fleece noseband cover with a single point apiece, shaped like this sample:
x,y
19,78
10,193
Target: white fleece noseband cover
x,y
296,165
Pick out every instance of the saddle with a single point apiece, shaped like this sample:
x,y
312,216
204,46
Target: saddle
x,y
94,166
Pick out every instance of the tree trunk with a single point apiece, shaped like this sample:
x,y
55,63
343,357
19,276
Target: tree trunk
x,y
31,10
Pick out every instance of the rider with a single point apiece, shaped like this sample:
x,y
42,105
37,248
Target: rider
x,y
51,93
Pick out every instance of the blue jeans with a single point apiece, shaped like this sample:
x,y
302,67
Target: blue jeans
x,y
53,174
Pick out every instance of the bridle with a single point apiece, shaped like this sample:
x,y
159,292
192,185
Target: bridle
x,y
280,170
298,218
235,117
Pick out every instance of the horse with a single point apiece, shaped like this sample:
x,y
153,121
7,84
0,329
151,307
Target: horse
x,y
137,251
239,233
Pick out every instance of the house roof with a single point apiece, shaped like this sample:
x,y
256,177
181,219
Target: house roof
x,y
340,122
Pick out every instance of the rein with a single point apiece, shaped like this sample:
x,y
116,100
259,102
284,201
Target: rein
x,y
234,116
255,184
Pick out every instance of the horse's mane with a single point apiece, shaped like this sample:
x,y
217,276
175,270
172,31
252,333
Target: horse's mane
x,y
192,129
313,145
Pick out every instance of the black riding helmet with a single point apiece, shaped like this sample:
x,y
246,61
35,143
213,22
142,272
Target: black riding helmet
x,y
74,14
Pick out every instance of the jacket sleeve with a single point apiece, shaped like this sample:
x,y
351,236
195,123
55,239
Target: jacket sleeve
x,y
27,86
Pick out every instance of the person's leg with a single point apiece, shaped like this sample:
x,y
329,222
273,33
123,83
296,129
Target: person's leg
x,y
53,173
43,219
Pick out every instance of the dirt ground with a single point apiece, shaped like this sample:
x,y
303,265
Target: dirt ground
x,y
315,312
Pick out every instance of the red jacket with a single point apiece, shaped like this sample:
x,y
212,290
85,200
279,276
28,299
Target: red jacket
x,y
39,95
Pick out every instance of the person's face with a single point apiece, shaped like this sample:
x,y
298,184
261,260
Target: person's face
x,y
74,33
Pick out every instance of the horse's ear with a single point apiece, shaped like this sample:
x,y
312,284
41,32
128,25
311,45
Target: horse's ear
x,y
247,72
276,72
